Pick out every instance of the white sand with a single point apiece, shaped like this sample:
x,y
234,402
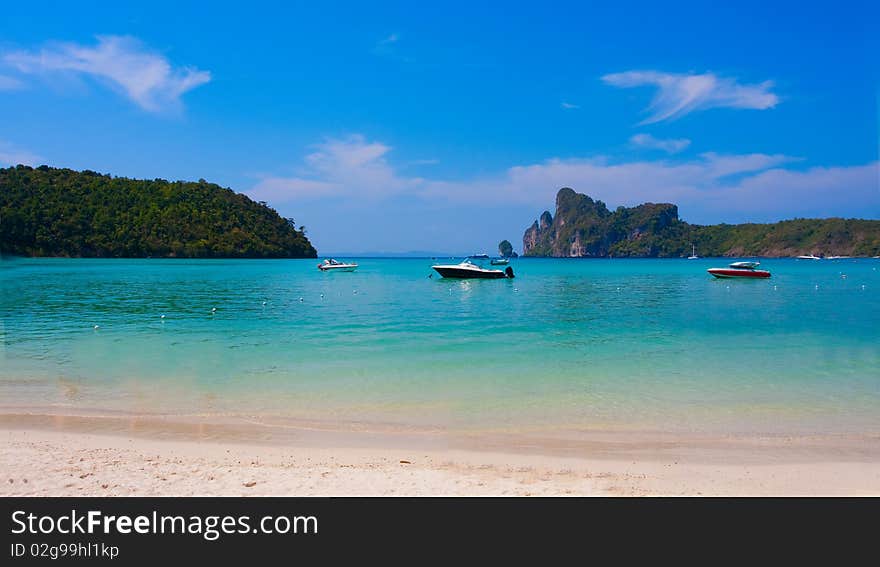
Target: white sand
x,y
38,459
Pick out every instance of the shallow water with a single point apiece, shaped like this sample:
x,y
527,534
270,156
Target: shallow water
x,y
567,345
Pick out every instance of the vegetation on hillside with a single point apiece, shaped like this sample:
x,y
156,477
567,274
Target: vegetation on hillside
x,y
583,227
46,211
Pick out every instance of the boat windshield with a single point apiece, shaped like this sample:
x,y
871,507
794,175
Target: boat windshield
x,y
745,265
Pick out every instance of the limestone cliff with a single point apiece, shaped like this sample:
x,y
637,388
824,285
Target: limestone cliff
x,y
583,227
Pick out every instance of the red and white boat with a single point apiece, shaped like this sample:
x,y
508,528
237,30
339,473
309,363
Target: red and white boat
x,y
740,270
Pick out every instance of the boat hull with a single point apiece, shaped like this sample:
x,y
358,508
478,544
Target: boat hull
x,y
734,273
337,268
464,273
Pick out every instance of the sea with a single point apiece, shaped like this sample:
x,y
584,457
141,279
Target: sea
x,y
566,345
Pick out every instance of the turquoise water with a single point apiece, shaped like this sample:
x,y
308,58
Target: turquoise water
x,y
567,345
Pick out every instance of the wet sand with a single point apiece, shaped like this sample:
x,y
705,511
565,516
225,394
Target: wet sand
x,y
46,454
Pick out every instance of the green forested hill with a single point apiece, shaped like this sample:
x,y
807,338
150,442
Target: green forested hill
x,y
46,211
583,227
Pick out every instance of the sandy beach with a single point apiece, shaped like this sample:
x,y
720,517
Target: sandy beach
x,y
57,455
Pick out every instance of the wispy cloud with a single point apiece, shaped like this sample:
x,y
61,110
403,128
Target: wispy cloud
x,y
123,62
710,187
9,83
669,145
680,94
336,167
388,47
569,106
12,155
390,39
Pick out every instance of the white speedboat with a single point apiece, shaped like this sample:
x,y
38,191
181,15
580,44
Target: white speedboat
x,y
332,265
499,261
468,269
808,257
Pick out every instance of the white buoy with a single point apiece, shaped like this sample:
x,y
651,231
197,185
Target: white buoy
x,y
322,296
300,298
97,327
161,316
264,303
817,286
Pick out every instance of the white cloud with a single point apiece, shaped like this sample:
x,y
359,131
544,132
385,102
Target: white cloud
x,y
710,187
146,77
569,106
11,155
338,166
680,94
670,146
9,83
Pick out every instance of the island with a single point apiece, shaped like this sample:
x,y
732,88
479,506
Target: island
x,y
505,249
583,228
46,211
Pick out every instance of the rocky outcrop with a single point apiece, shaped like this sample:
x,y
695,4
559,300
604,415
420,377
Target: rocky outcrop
x,y
583,228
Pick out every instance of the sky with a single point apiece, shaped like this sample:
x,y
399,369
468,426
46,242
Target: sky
x,y
394,127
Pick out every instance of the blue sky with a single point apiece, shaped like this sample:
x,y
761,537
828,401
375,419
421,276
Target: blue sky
x,y
401,126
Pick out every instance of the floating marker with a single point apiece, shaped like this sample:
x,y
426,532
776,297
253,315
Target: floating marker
x,y
300,298
213,309
97,327
264,303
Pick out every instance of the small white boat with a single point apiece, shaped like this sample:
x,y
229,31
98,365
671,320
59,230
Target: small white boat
x,y
693,255
808,257
332,265
499,261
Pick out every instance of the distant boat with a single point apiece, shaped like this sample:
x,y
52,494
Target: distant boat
x,y
837,257
693,255
740,270
479,256
469,270
499,261
332,265
808,257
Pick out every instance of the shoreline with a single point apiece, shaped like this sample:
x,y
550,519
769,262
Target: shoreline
x,y
64,455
